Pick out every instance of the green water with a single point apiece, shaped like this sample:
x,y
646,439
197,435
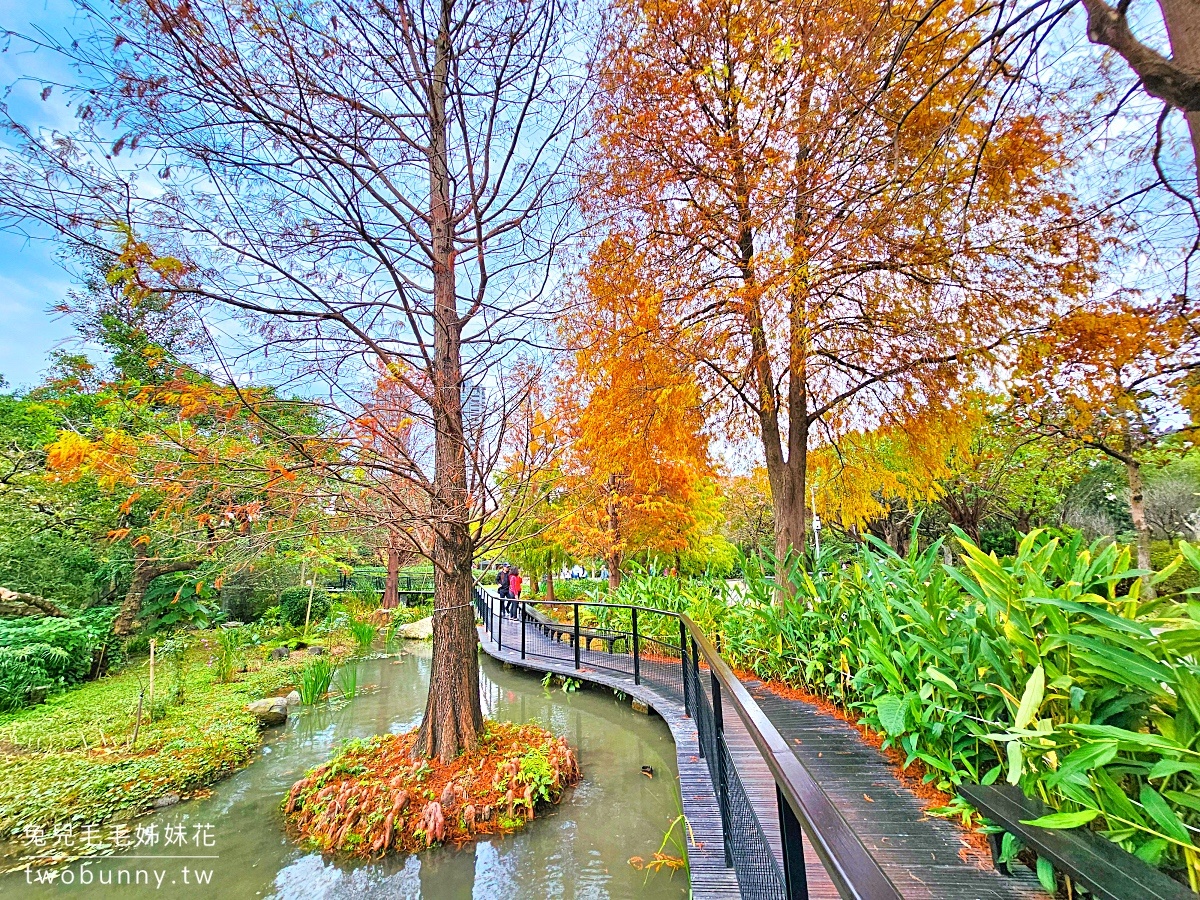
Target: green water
x,y
579,850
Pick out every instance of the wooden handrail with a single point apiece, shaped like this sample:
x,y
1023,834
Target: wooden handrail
x,y
854,871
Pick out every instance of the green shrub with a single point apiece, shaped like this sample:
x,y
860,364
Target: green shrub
x,y
1047,670
49,652
68,635
242,601
293,604
177,600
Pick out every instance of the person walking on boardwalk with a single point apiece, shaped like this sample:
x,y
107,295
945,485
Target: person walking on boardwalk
x,y
514,589
502,580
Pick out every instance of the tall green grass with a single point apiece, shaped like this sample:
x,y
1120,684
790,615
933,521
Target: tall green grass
x,y
346,679
363,634
315,678
229,645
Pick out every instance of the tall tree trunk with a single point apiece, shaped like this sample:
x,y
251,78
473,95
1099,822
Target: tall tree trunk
x,y
145,570
453,713
614,560
1137,509
1182,18
550,583
391,587
615,556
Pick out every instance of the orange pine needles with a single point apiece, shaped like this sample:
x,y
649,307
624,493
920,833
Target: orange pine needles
x,y
375,797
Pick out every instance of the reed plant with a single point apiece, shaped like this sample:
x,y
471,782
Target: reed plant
x,y
346,679
315,678
228,647
363,633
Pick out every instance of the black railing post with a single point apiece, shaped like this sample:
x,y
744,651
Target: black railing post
x,y
524,621
500,627
795,878
722,782
699,690
637,663
576,607
687,697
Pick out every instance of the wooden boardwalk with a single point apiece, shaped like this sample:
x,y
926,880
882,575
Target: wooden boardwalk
x,y
923,856
919,854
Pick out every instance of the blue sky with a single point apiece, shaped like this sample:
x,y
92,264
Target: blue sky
x,y
31,279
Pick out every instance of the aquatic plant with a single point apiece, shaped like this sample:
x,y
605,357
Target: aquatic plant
x,y
363,633
346,679
315,678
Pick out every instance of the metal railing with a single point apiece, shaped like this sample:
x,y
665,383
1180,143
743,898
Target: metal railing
x,y
669,651
374,581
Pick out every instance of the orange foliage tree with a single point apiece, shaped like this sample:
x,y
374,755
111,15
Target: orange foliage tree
x,y
840,215
1119,378
202,472
630,409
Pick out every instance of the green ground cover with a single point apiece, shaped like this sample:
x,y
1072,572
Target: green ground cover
x,y
73,760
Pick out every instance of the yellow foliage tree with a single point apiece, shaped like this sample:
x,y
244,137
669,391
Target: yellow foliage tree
x,y
841,214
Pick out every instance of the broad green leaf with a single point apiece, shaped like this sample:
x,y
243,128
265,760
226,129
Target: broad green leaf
x,y
1116,622
1189,690
1191,554
1181,798
1015,759
1152,851
1166,767
937,675
1084,759
1140,740
1031,700
1063,819
1166,573
1045,874
891,711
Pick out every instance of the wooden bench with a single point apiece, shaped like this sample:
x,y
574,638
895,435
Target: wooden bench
x,y
1091,861
559,631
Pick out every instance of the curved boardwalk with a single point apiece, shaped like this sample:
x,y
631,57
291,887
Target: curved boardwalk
x,y
920,855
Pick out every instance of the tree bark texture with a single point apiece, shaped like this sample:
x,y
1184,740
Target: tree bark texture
x,y
1137,509
145,570
1175,81
391,586
453,713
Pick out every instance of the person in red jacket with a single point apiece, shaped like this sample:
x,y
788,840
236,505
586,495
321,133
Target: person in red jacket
x,y
514,587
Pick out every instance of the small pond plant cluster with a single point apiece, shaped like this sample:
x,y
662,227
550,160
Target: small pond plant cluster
x,y
375,796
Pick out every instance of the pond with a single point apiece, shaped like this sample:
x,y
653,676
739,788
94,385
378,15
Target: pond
x,y
233,845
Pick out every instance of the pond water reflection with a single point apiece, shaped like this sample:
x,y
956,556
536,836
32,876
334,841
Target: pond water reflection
x,y
579,850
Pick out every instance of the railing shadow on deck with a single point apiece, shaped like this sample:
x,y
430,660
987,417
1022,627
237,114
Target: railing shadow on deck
x,y
668,650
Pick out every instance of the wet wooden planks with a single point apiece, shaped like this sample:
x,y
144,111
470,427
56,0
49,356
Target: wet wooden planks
x,y
661,688
706,858
923,856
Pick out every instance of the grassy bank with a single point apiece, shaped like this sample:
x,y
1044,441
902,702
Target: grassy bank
x,y
73,760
